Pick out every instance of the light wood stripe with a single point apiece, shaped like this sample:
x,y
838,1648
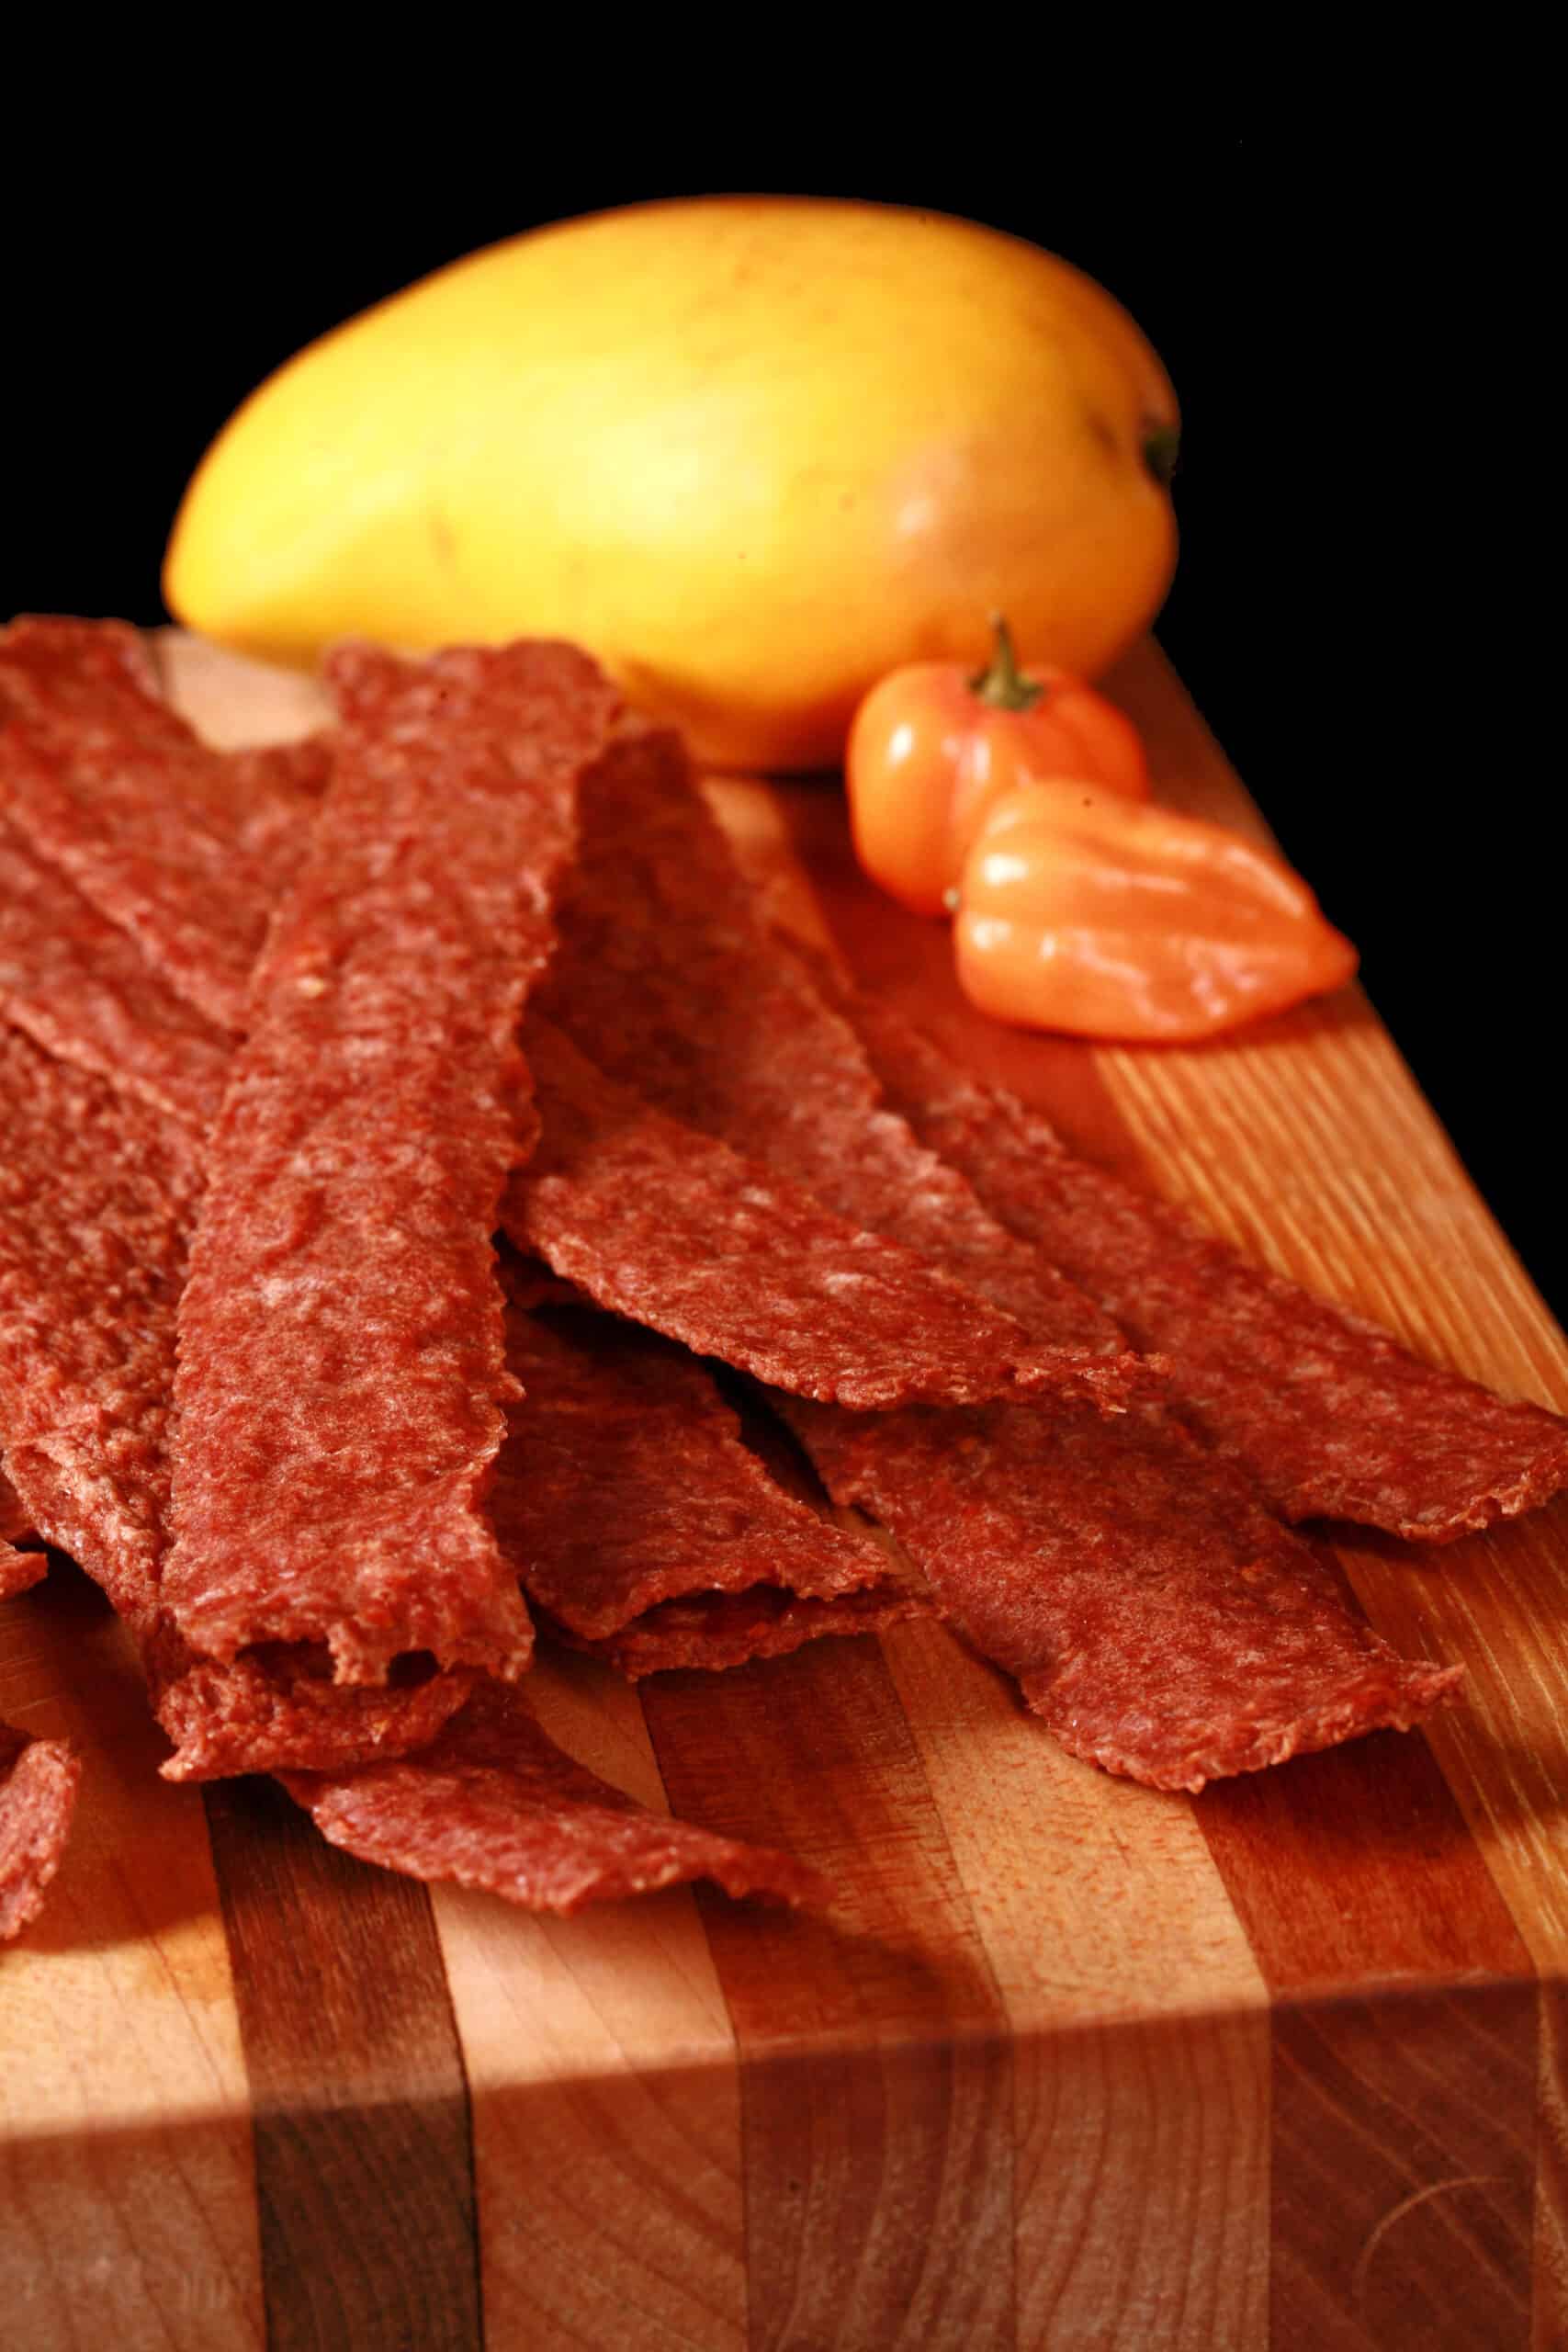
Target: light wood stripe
x,y
128,2209
876,2092
605,2100
1139,2021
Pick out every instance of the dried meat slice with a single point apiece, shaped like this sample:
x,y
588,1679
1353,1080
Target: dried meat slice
x,y
279,1708
341,1379
166,839
1122,1570
97,1192
1332,1416
666,981
674,1229
83,990
14,1520
19,1571
69,673
84,1372
675,1279
300,771
625,1483
494,1803
714,1631
39,1780
1160,1621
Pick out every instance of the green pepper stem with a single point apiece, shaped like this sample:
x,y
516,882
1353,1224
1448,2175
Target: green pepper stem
x,y
1003,685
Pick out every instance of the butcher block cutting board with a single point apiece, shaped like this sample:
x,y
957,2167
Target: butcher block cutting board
x,y
1071,2065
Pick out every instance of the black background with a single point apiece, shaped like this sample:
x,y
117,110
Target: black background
x,y
1332,297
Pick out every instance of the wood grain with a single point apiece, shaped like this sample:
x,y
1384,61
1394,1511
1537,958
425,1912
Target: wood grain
x,y
875,2071
1307,1142
127,2192
601,2061
1109,1932
358,2099
1336,1095
1071,2067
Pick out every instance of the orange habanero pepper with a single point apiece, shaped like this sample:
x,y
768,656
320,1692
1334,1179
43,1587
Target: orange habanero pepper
x,y
1083,912
933,744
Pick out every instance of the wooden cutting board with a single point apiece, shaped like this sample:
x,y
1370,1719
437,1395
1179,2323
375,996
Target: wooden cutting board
x,y
1074,2064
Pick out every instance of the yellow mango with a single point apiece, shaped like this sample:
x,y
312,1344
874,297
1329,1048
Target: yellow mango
x,y
752,452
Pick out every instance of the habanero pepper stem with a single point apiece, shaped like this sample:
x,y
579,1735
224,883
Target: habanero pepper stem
x,y
1003,684
933,745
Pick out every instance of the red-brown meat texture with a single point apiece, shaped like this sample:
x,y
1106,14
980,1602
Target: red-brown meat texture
x,y
69,673
92,1225
19,1571
713,1631
14,1520
341,1378
674,1229
1159,1619
725,1259
85,990
666,982
182,849
38,1780
1155,1611
625,1483
494,1803
97,1194
301,770
1332,1416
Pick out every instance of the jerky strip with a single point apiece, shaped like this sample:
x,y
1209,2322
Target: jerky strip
x,y
1160,1620
674,1229
38,1795
340,1380
812,1322
96,1196
1332,1416
754,1305
86,992
624,1483
494,1803
84,1372
14,1522
665,982
712,1631
300,771
19,1571
109,784
1130,1578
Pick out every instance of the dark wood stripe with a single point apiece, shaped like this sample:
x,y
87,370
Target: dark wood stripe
x,y
876,2071
360,2111
1401,2209
1405,2116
